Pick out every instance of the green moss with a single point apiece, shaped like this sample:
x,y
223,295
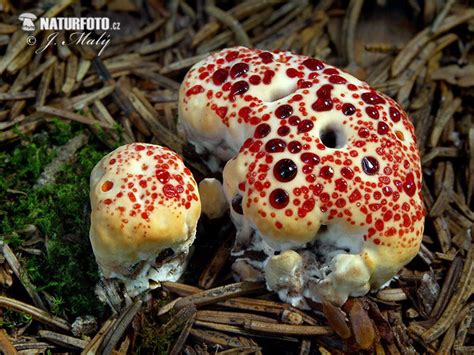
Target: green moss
x,y
67,269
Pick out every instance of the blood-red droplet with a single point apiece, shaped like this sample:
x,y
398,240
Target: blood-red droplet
x,y
364,132
285,170
108,201
283,111
219,76
394,114
266,57
232,55
372,112
348,109
239,88
326,172
169,191
310,158
275,145
372,98
196,89
294,147
409,186
238,69
313,64
163,176
324,102
279,198
294,120
262,130
337,79
283,131
382,128
255,80
347,173
237,204
370,165
305,126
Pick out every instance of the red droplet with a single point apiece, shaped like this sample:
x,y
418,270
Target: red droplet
x,y
347,173
305,126
279,198
221,111
294,120
268,76
372,112
219,76
266,57
132,197
196,89
283,111
255,80
310,158
107,186
107,201
348,109
372,98
163,176
341,185
262,130
275,145
326,172
394,114
337,79
304,84
409,186
364,132
238,69
382,128
283,131
294,147
324,102
169,191
370,165
232,55
313,64
239,88
285,170
292,73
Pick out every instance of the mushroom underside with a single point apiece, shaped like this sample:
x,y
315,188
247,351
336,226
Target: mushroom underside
x,y
146,274
330,267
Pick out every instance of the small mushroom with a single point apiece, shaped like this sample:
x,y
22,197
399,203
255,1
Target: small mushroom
x,y
322,164
144,211
214,203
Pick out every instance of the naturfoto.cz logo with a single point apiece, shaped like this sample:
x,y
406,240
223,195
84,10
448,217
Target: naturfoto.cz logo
x,y
83,27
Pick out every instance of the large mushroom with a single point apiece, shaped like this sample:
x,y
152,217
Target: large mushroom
x,y
325,166
145,207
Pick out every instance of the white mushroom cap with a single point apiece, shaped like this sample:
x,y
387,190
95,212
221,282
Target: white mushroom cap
x,y
214,203
144,200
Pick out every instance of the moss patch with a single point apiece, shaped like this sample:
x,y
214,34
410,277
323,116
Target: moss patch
x,y
66,269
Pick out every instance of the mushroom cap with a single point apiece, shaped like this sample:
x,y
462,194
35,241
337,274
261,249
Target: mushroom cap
x,y
143,200
315,146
